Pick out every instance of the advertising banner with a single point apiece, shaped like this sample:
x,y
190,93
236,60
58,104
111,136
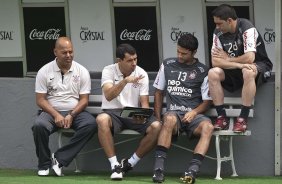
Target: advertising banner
x,y
180,18
42,26
10,35
91,33
140,30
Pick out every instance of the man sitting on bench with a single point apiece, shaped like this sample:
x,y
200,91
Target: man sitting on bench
x,y
184,81
239,60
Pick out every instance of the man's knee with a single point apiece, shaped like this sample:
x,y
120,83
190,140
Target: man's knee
x,y
207,128
248,74
103,120
214,74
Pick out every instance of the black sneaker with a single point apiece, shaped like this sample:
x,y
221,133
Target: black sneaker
x,y
117,173
189,177
158,176
125,165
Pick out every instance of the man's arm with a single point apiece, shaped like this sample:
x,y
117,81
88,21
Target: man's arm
x,y
158,99
221,59
111,90
144,101
81,105
43,103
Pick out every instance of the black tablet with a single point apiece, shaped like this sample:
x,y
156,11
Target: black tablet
x,y
129,112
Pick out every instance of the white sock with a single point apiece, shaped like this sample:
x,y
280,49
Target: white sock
x,y
133,160
113,161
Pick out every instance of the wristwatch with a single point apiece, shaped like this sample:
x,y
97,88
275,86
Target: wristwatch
x,y
72,114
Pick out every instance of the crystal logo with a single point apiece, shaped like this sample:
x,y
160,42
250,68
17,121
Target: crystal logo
x,y
176,33
6,35
86,34
142,34
50,34
269,35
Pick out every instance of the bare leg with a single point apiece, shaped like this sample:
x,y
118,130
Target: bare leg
x,y
105,134
216,75
169,127
204,130
249,87
149,141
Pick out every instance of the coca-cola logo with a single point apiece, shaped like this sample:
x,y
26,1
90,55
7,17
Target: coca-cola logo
x,y
176,33
142,34
50,34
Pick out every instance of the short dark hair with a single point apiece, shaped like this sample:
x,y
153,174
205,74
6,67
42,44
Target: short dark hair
x,y
188,41
224,11
124,48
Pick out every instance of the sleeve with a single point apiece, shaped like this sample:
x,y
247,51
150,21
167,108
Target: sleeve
x,y
250,38
40,82
205,89
216,42
144,90
85,83
107,76
159,82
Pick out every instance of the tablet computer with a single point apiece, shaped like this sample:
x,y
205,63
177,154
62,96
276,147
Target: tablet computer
x,y
130,112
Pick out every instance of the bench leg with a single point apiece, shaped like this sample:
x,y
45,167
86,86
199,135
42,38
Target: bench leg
x,y
218,157
234,174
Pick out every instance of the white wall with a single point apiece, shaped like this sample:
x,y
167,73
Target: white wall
x,y
264,16
180,16
91,33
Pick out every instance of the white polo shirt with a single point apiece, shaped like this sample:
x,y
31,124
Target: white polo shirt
x,y
63,90
130,94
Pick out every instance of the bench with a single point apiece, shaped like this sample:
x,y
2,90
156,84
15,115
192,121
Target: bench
x,y
232,106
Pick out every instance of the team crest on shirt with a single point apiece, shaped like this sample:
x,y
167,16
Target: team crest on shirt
x,y
192,74
136,85
76,78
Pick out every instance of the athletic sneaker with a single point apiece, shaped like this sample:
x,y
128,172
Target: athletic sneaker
x,y
125,165
189,177
240,125
158,176
117,173
56,166
221,123
43,172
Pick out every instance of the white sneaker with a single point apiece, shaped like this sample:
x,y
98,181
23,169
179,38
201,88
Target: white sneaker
x,y
43,172
55,167
117,173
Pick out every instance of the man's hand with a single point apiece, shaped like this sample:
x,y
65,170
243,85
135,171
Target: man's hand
x,y
250,67
139,119
68,121
189,116
219,53
59,120
133,79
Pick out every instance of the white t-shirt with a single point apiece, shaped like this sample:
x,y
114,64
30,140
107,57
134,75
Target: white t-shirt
x,y
130,94
63,90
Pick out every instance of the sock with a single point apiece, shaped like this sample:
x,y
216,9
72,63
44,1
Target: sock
x,y
133,160
245,112
196,162
220,110
113,161
160,157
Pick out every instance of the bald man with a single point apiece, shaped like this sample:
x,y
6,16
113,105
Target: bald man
x,y
62,90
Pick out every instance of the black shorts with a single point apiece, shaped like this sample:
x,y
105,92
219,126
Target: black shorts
x,y
120,123
188,128
234,77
